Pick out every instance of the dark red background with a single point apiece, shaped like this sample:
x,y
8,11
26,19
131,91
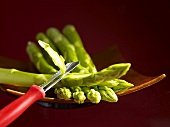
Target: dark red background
x,y
140,29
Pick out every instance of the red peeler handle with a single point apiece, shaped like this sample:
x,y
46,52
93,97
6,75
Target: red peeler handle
x,y
17,107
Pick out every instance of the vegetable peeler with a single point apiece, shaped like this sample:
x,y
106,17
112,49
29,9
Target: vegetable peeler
x,y
12,111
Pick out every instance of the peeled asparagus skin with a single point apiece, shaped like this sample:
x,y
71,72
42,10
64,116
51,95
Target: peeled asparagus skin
x,y
41,36
71,33
38,60
56,58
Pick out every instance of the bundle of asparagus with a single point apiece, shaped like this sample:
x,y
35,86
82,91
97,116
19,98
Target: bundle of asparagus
x,y
84,82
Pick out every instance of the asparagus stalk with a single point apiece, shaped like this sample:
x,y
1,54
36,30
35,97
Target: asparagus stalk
x,y
92,94
38,60
122,85
21,78
25,79
78,94
63,93
71,33
110,83
107,94
67,49
11,77
112,72
56,58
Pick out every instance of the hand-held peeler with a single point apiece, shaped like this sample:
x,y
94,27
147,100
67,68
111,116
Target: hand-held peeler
x,y
17,107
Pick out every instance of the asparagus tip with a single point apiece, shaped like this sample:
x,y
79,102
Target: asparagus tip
x,y
69,27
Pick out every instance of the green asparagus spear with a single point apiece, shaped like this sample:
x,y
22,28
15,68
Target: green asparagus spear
x,y
67,49
25,79
122,85
71,33
91,94
38,60
78,95
21,78
107,94
57,59
94,96
71,79
63,93
110,83
118,85
112,72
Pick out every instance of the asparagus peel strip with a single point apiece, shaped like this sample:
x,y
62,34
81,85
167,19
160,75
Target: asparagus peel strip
x,y
41,36
57,59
